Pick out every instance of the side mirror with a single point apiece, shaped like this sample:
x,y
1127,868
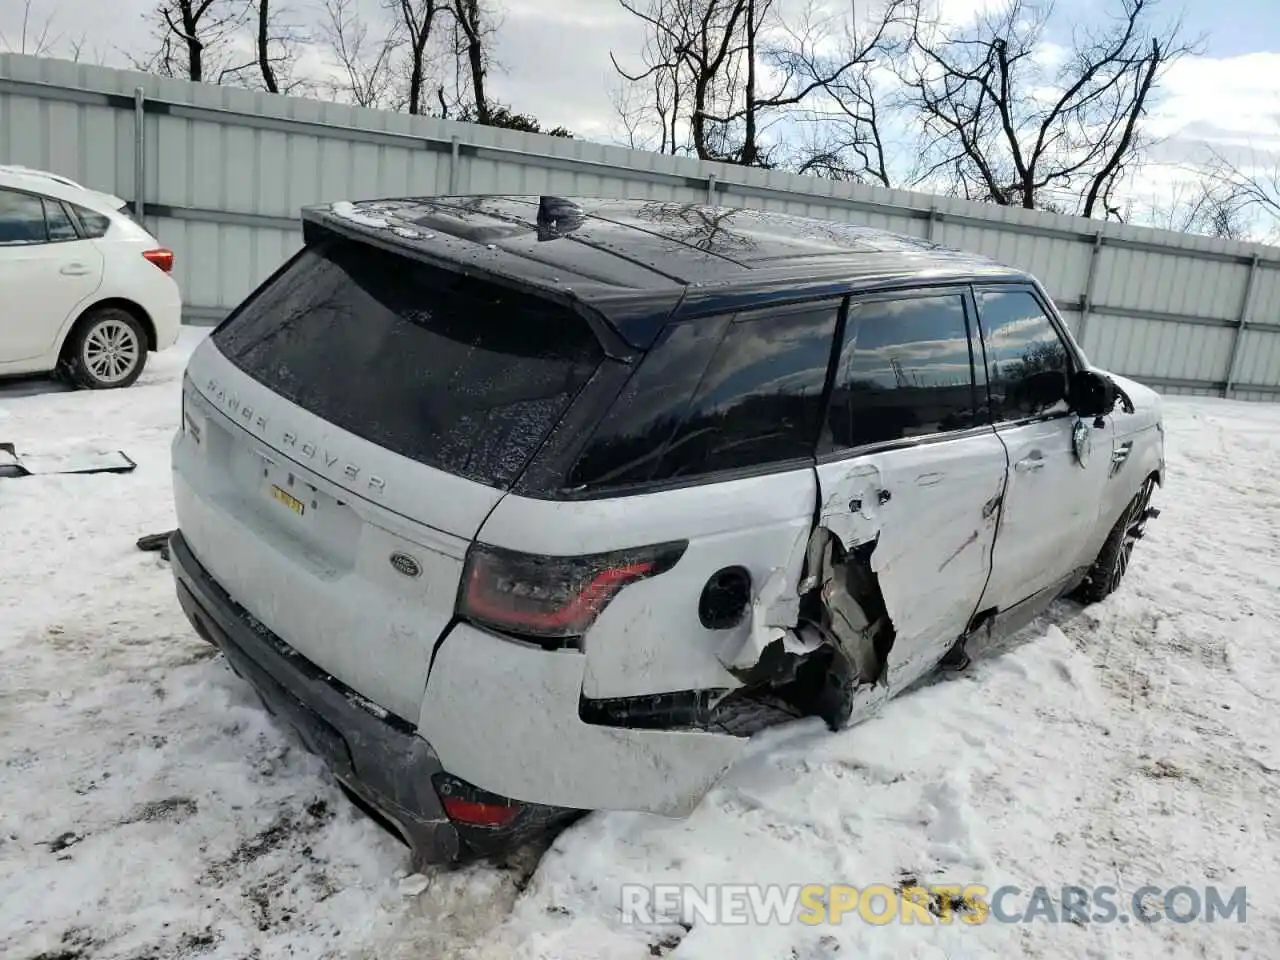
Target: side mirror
x,y
1092,394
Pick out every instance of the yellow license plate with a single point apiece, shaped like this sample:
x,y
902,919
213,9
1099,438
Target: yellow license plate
x,y
293,503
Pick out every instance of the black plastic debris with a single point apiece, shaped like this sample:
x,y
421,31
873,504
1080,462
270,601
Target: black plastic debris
x,y
153,542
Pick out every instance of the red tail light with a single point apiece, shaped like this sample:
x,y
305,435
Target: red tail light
x,y
468,805
553,596
161,257
477,814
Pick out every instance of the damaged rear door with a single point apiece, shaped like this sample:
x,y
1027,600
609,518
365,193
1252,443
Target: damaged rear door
x,y
911,476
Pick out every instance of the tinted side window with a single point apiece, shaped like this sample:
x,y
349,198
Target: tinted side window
x,y
1027,362
628,444
95,224
21,218
905,370
57,222
760,400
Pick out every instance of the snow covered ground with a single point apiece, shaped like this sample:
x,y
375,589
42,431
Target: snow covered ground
x,y
149,808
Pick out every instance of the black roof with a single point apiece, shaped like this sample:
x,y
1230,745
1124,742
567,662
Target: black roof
x,y
634,262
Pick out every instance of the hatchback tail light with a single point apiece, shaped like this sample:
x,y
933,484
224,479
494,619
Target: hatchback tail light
x,y
161,257
541,596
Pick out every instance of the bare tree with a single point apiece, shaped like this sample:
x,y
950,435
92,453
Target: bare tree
x,y
81,51
475,28
1221,213
689,55
1250,182
191,35
636,118
366,65
651,103
265,64
271,59
1197,203
34,39
276,42
702,60
725,71
847,141
1002,123
845,121
418,22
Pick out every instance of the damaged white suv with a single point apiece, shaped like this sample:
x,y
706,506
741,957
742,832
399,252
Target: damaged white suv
x,y
519,507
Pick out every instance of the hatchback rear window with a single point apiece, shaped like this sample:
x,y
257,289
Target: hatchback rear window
x,y
455,372
95,224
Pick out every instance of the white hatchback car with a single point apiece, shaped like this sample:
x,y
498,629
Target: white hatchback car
x,y
87,291
517,507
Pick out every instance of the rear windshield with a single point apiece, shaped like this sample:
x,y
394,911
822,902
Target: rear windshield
x,y
454,372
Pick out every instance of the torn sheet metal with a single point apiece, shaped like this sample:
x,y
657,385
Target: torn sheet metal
x,y
775,611
774,614
780,637
852,507
850,598
932,512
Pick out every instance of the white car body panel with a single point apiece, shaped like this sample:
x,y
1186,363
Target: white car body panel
x,y
1051,507
649,638
505,715
55,283
46,286
1137,452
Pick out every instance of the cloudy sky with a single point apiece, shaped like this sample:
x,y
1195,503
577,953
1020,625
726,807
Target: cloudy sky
x,y
554,60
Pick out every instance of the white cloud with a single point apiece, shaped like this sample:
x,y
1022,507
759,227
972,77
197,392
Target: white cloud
x,y
1236,95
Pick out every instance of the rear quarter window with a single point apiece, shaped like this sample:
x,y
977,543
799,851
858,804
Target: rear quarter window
x,y
457,373
629,442
58,223
95,224
715,395
760,400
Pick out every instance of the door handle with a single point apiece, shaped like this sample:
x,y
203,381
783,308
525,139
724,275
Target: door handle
x,y
1031,462
75,270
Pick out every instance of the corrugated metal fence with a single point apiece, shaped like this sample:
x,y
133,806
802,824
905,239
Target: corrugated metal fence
x,y
219,175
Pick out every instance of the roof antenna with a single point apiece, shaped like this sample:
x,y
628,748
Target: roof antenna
x,y
558,216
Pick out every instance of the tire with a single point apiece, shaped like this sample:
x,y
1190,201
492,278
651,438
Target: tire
x,y
107,350
745,716
1109,568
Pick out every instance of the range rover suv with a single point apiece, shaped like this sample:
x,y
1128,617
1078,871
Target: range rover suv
x,y
521,507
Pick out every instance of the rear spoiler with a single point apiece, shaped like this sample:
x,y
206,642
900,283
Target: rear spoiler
x,y
456,255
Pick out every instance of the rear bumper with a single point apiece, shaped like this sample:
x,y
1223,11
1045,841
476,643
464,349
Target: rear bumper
x,y
163,303
379,758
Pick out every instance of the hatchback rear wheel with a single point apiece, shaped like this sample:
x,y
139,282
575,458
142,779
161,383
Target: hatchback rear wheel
x,y
108,349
